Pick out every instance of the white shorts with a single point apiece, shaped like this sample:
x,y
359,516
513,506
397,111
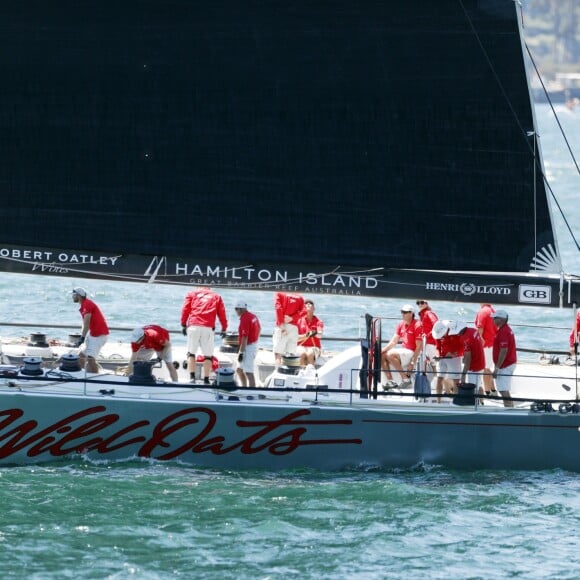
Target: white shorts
x,y
314,350
148,353
285,341
247,365
488,352
405,355
201,337
475,377
450,368
93,345
430,351
503,380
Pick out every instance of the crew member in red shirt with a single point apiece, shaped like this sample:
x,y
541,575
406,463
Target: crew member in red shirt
x,y
310,329
449,360
473,355
249,334
487,330
200,309
402,357
428,319
288,309
94,332
149,341
504,356
574,338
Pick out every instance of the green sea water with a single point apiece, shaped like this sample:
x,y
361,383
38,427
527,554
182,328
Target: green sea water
x,y
141,520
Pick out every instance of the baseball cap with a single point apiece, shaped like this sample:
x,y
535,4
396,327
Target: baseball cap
x,y
79,291
137,335
408,308
241,304
500,314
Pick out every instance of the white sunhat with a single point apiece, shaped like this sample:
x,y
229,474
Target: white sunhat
x,y
79,291
440,329
456,326
137,334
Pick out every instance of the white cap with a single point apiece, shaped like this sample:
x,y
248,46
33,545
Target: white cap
x,y
241,304
440,329
137,334
500,314
408,308
456,326
79,291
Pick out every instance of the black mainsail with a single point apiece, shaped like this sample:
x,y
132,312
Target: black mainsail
x,y
348,147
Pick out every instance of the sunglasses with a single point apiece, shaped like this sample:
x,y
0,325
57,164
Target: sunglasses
x,y
419,302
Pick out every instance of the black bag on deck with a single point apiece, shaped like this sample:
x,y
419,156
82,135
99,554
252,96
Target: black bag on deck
x,y
465,394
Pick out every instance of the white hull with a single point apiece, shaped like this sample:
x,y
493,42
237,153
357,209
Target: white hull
x,y
105,417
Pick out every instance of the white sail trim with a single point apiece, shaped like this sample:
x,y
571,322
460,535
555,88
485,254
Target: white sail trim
x,y
546,260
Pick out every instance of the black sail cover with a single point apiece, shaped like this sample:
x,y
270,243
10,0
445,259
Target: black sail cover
x,y
349,147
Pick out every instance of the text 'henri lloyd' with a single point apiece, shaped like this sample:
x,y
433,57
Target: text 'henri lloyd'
x,y
468,289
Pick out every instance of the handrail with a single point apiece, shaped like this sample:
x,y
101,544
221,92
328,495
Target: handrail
x,y
129,329
265,335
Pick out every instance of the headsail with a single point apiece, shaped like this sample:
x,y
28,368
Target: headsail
x,y
331,148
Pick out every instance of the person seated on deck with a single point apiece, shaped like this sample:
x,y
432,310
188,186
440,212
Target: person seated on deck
x,y
450,350
149,341
402,357
310,329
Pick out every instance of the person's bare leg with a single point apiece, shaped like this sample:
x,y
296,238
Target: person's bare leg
x,y
92,366
241,377
488,381
506,395
191,365
395,362
172,372
206,369
439,388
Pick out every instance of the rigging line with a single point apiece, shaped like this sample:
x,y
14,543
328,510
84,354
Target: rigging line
x,y
517,120
494,73
563,133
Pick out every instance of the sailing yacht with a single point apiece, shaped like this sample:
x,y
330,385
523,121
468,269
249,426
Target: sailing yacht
x,y
358,149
